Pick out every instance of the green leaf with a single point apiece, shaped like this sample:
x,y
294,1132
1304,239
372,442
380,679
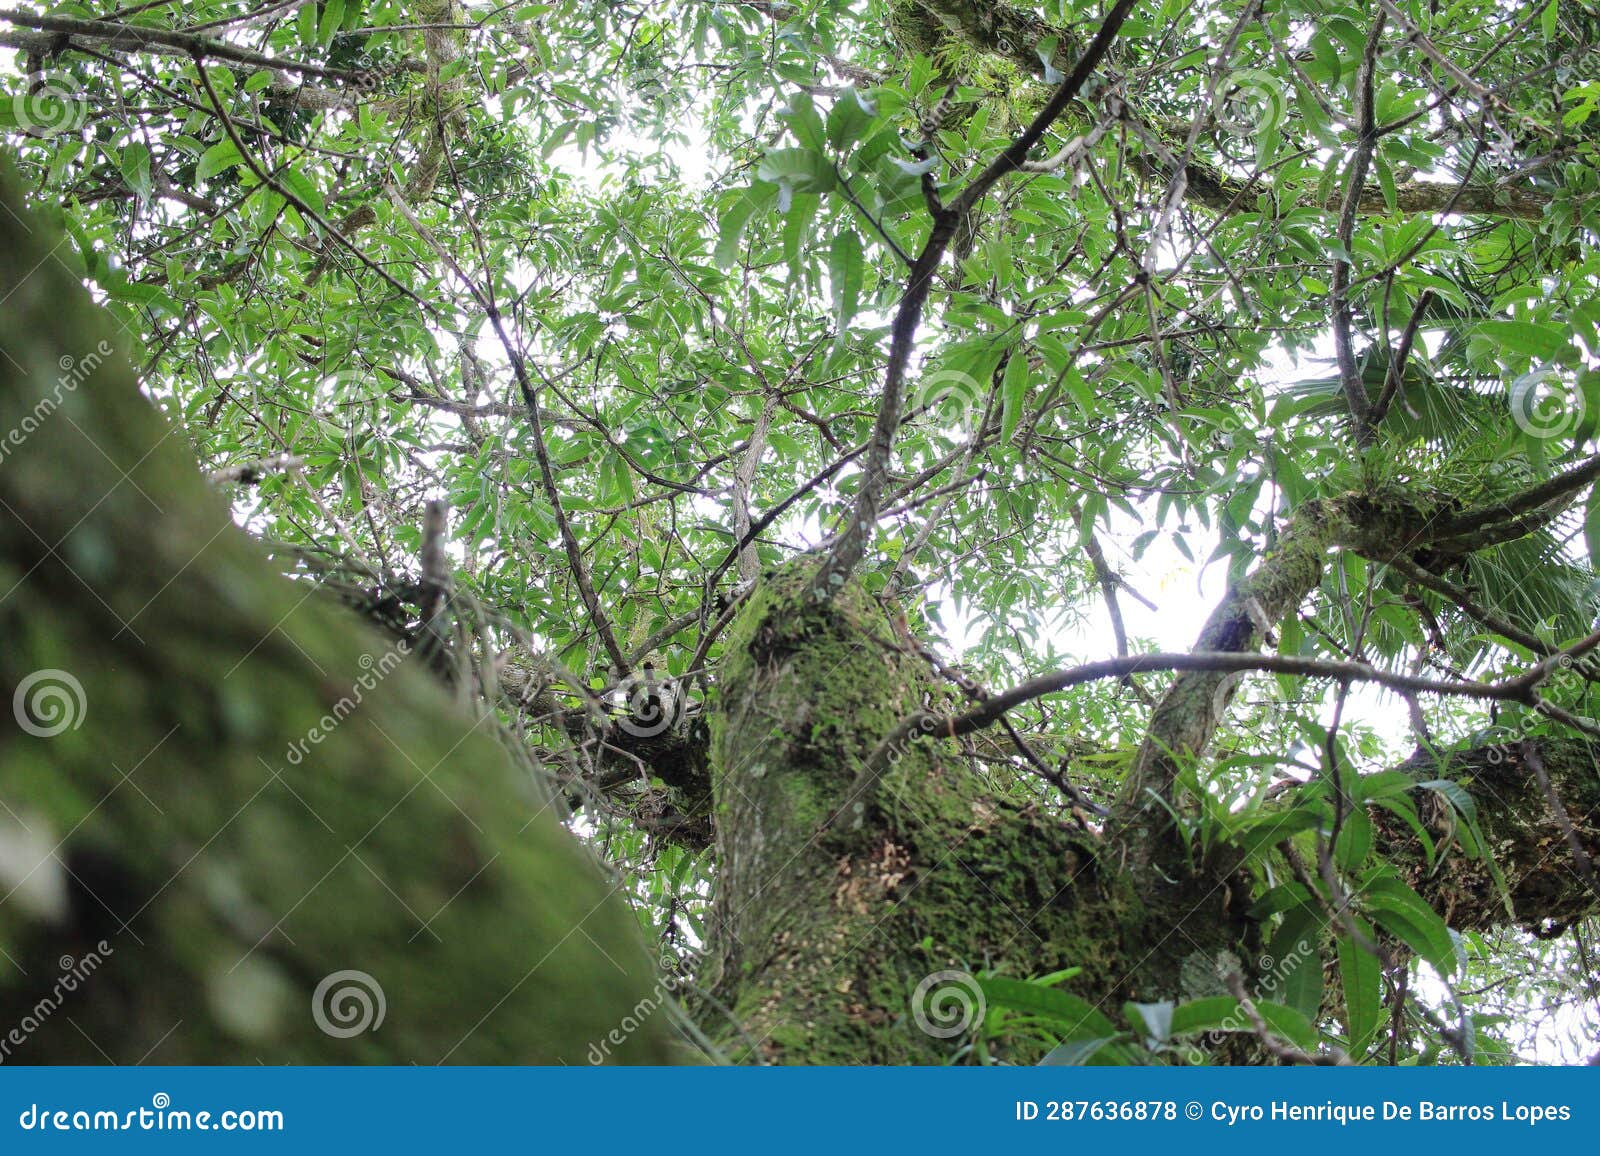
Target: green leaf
x,y
1211,1014
845,276
730,231
218,158
332,19
616,480
802,170
1013,393
1077,1017
306,24
1283,897
296,183
1403,912
852,114
1386,184
1355,840
1289,1023
1294,978
1361,975
1366,788
1223,1013
1534,340
134,165
805,123
1076,1053
1268,830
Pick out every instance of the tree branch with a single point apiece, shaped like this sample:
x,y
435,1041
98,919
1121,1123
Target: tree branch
x,y
131,37
850,546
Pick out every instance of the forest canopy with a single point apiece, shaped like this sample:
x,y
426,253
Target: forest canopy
x,y
1013,531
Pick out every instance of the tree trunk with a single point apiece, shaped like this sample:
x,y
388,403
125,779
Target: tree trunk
x,y
834,904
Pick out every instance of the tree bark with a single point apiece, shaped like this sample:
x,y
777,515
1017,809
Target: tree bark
x,y
228,878
833,905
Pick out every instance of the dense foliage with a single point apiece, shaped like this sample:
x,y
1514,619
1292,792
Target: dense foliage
x,y
619,284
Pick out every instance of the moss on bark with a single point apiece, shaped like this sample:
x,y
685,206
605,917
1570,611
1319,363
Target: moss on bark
x,y
823,933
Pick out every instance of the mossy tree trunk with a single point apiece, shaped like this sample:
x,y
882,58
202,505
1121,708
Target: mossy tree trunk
x,y
834,903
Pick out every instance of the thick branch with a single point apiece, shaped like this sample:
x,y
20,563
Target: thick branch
x,y
1532,848
130,37
1343,316
1214,666
1521,514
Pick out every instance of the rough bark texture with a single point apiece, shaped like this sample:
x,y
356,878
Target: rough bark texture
x,y
167,831
832,908
1377,525
823,931
1546,892
229,879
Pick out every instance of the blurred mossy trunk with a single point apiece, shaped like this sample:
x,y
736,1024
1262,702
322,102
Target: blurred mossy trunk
x,y
216,792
